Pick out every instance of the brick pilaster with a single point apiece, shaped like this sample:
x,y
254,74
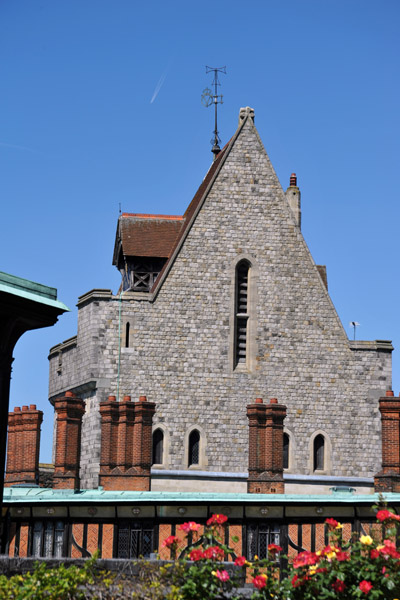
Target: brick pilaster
x,y
126,444
266,447
69,410
388,478
23,446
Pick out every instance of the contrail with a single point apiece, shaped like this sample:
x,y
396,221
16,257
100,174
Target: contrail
x,y
15,147
159,84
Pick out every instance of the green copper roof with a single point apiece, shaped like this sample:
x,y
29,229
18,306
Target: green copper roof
x,y
37,495
36,292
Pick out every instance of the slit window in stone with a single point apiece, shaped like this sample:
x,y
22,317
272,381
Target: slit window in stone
x,y
241,312
158,447
194,447
319,452
286,441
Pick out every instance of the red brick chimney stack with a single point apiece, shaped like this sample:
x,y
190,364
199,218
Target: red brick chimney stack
x,y
266,447
23,446
69,410
142,449
126,444
388,479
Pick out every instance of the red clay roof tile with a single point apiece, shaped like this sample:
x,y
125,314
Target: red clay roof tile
x,y
148,235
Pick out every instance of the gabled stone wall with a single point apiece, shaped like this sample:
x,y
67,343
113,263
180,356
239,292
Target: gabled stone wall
x,y
182,336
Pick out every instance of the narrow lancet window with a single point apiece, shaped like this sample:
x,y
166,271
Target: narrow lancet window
x,y
127,328
286,441
241,312
158,447
319,453
194,448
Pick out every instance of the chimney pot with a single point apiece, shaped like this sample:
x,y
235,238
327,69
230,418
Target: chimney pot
x,y
112,398
293,180
127,398
69,394
32,407
142,399
273,401
258,400
17,409
389,393
25,408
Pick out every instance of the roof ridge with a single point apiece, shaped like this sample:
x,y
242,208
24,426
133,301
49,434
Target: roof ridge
x,y
151,216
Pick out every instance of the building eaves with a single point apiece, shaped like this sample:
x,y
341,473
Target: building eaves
x,y
30,290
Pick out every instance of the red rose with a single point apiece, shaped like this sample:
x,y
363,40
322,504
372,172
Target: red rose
x,y
342,555
217,520
170,541
365,586
304,559
338,585
240,561
213,552
273,548
260,581
196,554
386,515
332,523
190,526
222,575
296,581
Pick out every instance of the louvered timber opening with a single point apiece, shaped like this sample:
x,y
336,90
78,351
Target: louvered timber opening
x,y
242,317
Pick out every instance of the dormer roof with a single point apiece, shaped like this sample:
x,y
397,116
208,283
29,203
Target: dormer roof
x,y
146,235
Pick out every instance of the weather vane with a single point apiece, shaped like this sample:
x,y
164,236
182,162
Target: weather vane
x,y
209,98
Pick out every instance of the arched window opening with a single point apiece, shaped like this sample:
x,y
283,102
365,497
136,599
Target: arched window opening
x,y
194,448
319,453
286,441
241,312
158,447
127,328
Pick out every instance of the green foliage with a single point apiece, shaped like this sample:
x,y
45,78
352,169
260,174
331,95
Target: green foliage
x,y
59,583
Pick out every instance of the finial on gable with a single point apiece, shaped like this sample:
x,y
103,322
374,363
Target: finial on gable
x,y
244,112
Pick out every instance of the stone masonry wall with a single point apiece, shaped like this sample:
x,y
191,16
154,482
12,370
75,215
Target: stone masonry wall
x,y
181,343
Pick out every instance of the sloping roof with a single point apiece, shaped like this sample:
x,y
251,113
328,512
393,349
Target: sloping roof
x,y
146,235
159,235
30,290
191,209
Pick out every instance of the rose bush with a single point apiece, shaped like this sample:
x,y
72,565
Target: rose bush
x,y
366,567
363,567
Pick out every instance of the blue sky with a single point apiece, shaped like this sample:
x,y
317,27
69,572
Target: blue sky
x,y
80,135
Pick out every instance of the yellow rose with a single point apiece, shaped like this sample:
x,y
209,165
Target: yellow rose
x,y
339,526
366,539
